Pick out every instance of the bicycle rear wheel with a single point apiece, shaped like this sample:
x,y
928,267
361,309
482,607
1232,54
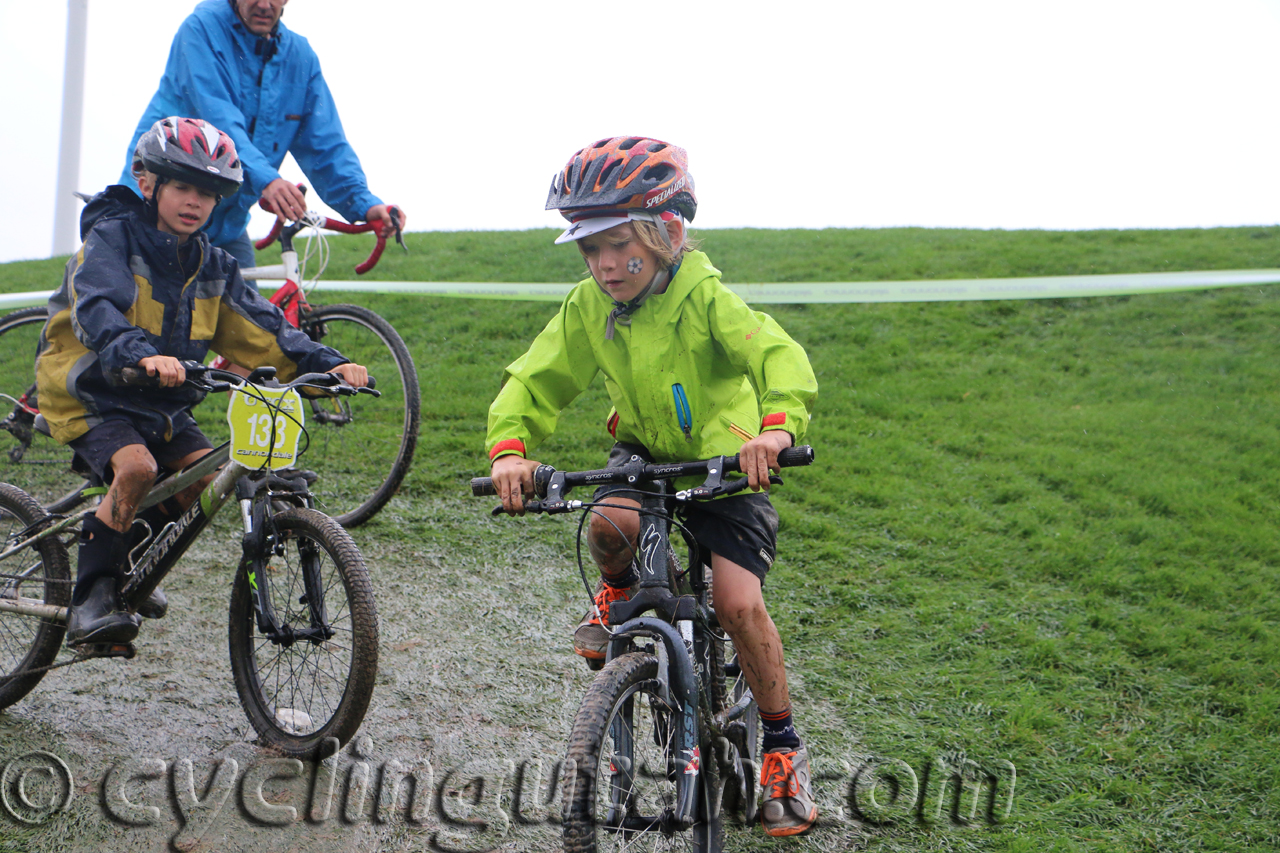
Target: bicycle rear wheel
x,y
314,678
29,459
621,793
38,575
362,446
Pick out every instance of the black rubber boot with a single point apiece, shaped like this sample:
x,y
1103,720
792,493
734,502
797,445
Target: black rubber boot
x,y
95,615
99,619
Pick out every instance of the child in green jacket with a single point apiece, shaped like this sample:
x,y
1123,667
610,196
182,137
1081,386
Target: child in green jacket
x,y
693,373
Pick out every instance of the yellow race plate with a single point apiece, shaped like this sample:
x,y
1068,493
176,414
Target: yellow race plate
x,y
266,424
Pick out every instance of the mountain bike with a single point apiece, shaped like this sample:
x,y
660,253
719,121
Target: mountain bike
x,y
302,631
362,449
666,739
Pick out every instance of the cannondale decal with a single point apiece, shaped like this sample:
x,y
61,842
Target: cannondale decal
x,y
650,547
665,194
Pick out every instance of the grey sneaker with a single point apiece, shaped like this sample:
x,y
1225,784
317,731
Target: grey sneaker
x,y
590,639
789,808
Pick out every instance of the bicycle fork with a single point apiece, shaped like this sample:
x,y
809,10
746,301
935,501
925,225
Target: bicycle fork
x,y
675,649
260,543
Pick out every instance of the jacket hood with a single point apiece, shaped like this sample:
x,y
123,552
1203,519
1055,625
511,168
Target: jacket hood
x,y
115,202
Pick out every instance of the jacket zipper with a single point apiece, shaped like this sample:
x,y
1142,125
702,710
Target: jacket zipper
x,y
683,416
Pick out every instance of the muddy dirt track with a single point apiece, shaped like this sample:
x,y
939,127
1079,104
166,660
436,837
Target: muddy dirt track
x,y
476,692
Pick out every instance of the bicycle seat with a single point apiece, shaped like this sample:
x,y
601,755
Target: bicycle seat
x,y
42,426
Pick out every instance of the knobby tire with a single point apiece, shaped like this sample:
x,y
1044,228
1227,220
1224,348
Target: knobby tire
x,y
622,722
297,696
27,642
362,461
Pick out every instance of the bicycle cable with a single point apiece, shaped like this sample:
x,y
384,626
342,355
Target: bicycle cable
x,y
593,508
317,245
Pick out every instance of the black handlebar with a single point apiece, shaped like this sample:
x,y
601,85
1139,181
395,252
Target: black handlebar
x,y
211,379
792,457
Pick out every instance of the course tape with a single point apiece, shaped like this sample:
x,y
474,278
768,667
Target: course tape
x,y
944,290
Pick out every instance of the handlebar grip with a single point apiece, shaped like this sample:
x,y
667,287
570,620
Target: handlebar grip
x,y
271,237
794,457
481,486
372,261
138,377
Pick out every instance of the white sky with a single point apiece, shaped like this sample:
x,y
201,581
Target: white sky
x,y
985,114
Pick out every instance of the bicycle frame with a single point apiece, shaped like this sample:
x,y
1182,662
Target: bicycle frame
x,y
681,635
169,544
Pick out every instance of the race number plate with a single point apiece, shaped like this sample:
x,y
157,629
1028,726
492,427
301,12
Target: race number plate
x,y
264,434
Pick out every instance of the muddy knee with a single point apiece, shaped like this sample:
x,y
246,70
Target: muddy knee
x,y
739,613
610,546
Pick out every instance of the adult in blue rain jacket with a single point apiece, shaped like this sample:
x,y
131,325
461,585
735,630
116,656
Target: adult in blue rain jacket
x,y
235,65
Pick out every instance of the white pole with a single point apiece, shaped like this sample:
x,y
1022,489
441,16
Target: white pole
x,y
66,232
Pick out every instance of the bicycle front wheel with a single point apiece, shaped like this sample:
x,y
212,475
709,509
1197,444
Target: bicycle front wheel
x,y
29,459
621,792
305,665
362,446
37,575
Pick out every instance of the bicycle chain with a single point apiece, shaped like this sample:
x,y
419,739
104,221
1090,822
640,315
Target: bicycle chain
x,y
79,658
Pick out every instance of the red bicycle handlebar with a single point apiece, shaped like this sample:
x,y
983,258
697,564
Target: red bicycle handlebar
x,y
342,227
270,238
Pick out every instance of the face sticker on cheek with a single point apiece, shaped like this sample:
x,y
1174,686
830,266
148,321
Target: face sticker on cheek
x,y
635,265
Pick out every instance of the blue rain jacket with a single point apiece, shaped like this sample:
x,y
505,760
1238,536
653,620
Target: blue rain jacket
x,y
126,296
269,96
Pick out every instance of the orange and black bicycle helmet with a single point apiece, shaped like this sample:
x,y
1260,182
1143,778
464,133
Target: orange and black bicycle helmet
x,y
625,173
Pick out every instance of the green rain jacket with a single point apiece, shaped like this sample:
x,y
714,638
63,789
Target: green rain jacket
x,y
695,374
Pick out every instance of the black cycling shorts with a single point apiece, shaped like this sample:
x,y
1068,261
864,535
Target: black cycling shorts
x,y
742,528
95,448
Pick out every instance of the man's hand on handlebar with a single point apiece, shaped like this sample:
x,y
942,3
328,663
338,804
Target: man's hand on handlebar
x,y
166,368
285,200
759,456
512,478
352,374
382,213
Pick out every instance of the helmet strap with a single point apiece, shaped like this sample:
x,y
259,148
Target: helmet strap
x,y
151,206
622,311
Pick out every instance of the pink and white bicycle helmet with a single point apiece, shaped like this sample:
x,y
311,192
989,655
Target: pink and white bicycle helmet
x,y
192,151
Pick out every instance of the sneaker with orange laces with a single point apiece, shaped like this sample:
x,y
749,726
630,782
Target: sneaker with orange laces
x,y
590,639
789,807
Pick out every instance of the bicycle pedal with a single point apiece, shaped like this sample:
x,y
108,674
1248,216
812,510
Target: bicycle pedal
x,y
106,650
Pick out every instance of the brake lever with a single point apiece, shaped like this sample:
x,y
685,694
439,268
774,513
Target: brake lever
x,y
547,507
703,493
395,222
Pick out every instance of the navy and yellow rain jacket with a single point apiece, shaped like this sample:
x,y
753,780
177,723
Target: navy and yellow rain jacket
x,y
126,295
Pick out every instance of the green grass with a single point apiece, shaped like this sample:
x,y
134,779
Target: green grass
x,y
1043,532
833,254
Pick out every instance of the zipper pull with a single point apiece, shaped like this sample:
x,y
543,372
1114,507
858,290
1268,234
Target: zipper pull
x,y
683,415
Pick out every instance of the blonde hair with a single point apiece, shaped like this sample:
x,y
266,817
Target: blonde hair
x,y
649,237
